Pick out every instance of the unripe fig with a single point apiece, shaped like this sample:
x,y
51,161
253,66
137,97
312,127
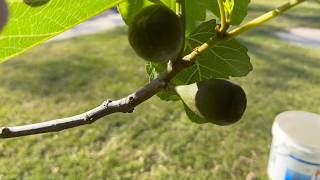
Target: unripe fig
x,y
3,14
216,101
156,33
35,3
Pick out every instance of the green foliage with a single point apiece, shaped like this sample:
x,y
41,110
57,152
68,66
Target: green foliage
x,y
156,33
29,26
223,60
196,13
214,101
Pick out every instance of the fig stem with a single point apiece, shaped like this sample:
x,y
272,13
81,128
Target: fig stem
x,y
181,12
224,26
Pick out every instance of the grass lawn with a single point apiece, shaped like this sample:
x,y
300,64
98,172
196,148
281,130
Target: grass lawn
x,y
157,141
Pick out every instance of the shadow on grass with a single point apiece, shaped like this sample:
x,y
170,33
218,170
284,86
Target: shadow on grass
x,y
67,75
67,67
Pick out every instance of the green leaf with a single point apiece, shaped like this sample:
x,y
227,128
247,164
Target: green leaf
x,y
193,116
196,12
237,10
223,60
187,95
29,26
129,8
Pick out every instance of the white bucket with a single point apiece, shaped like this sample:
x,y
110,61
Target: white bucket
x,y
295,149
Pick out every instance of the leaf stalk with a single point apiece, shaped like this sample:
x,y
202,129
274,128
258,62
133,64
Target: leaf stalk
x,y
224,25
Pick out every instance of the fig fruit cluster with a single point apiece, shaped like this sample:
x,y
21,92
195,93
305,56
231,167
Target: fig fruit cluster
x,y
217,101
156,33
3,14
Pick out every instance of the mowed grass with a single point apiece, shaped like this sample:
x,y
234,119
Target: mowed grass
x,y
157,141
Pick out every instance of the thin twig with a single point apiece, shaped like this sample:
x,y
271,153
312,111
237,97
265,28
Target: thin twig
x,y
124,105
263,18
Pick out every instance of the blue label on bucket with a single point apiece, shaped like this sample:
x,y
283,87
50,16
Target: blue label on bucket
x,y
294,175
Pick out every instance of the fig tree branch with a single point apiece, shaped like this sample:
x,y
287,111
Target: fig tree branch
x,y
124,105
128,103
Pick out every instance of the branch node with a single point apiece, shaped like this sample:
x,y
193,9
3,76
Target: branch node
x,y
130,110
88,118
5,130
220,34
186,58
164,84
106,103
196,49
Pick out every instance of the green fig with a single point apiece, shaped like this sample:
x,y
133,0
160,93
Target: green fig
x,y
217,101
156,33
35,3
3,14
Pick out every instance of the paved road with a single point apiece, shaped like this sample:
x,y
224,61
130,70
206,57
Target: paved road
x,y
306,37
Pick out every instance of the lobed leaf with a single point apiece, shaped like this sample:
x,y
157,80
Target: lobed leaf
x,y
223,60
196,12
29,25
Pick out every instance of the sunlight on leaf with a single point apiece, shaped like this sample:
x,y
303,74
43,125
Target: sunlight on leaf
x,y
29,26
